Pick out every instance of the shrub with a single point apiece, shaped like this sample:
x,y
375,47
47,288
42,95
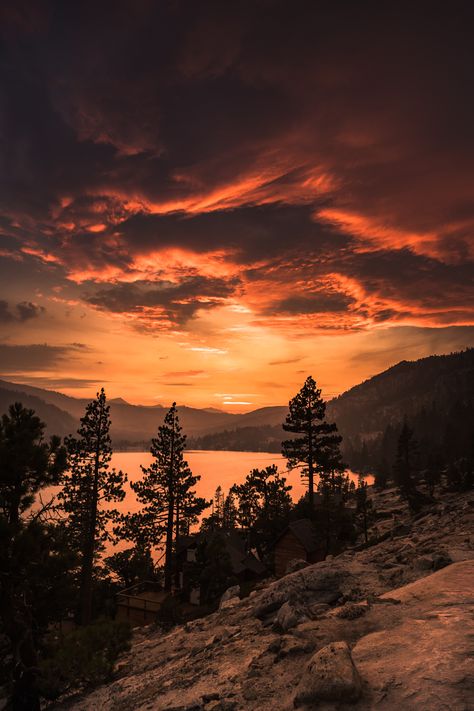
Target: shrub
x,y
170,613
83,657
350,611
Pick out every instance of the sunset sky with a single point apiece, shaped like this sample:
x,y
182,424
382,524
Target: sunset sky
x,y
208,201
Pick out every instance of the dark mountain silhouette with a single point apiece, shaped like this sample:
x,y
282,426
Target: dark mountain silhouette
x,y
363,411
403,390
130,423
58,421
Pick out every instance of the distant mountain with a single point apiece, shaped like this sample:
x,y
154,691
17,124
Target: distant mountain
x,y
362,412
436,397
130,423
265,438
403,390
73,406
58,421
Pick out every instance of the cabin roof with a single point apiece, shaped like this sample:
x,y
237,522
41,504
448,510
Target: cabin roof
x,y
305,532
234,544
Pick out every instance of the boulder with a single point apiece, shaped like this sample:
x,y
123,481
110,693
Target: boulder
x,y
435,561
289,616
351,611
319,583
329,676
291,646
229,604
230,593
317,609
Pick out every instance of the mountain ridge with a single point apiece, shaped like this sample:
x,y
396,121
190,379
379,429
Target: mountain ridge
x,y
363,410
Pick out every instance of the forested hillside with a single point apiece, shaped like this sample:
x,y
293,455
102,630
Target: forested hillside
x,y
404,390
434,395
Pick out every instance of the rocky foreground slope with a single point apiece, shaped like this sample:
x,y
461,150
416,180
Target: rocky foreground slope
x,y
387,627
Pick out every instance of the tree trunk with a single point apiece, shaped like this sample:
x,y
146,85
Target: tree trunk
x,y
310,466
169,548
169,524
176,543
17,625
89,547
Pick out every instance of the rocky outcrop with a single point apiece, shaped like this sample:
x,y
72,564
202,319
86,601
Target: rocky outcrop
x,y
324,583
329,676
425,661
369,630
289,616
230,598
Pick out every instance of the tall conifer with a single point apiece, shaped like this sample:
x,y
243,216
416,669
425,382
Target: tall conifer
x,y
88,485
407,465
28,463
166,491
317,447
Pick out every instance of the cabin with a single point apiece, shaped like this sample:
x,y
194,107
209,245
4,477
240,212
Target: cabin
x,y
245,565
297,541
140,603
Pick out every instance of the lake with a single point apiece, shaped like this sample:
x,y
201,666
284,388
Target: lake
x,y
216,468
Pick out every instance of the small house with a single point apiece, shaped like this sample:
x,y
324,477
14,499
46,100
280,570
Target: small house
x,y
245,565
298,541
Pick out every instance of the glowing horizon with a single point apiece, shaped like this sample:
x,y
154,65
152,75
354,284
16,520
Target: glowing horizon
x,y
214,220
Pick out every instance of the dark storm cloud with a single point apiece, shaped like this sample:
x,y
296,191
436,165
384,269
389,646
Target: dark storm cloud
x,y
23,311
313,303
72,383
253,232
16,358
325,139
178,302
414,280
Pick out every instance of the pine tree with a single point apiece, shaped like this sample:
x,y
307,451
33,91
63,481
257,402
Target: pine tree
x,y
264,504
133,565
230,512
216,518
381,474
188,506
406,465
365,509
213,569
333,482
166,491
219,506
318,446
89,484
28,463
274,500
248,507
432,472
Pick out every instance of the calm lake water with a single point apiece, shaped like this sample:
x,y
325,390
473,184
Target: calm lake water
x,y
214,467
